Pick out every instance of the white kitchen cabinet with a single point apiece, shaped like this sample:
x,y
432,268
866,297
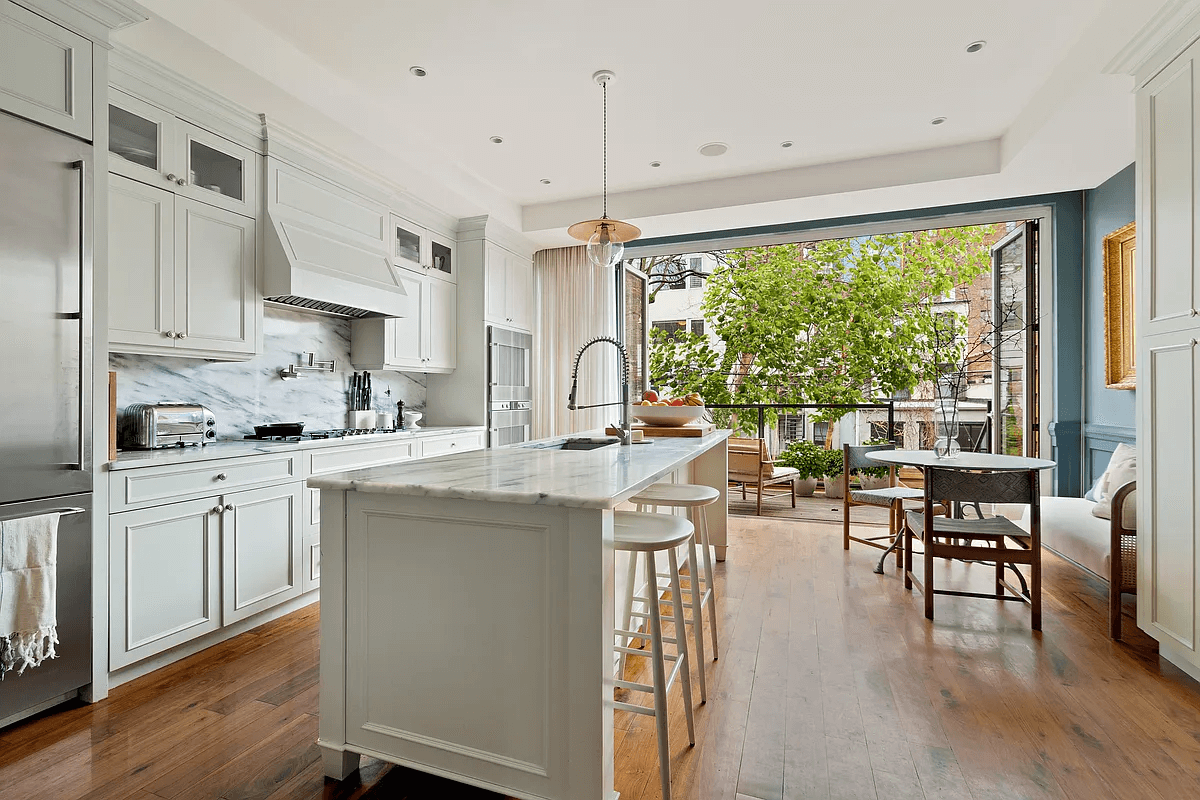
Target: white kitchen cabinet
x,y
426,341
181,570
439,445
261,539
182,276
420,250
216,303
321,461
152,145
45,72
441,336
1168,359
165,572
508,282
141,254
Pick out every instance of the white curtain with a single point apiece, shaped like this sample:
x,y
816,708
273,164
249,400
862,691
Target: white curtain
x,y
574,304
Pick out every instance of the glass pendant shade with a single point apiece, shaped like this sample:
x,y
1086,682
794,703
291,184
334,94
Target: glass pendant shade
x,y
605,248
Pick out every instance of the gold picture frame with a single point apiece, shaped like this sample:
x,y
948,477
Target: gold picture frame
x,y
1120,249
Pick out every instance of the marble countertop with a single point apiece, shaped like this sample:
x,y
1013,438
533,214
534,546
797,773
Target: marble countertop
x,y
533,474
233,448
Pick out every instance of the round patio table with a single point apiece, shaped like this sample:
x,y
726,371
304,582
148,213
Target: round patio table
x,y
963,462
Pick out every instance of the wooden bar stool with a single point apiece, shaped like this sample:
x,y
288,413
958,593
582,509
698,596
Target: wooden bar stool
x,y
700,589
638,532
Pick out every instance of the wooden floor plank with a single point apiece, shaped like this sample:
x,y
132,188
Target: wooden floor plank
x,y
831,684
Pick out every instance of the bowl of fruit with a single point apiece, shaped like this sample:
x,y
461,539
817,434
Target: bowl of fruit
x,y
669,412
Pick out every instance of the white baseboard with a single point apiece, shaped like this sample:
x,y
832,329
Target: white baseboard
x,y
1178,657
160,660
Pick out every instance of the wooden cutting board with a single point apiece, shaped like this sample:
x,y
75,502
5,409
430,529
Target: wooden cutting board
x,y
694,429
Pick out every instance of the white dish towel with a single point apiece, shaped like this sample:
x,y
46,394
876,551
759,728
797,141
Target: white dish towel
x,y
28,585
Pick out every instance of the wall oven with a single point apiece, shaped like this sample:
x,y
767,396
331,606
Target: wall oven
x,y
510,386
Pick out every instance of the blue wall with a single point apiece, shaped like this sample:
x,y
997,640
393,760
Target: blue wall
x,y
1108,414
1063,324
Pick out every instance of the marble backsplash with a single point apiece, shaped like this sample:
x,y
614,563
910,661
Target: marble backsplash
x,y
243,394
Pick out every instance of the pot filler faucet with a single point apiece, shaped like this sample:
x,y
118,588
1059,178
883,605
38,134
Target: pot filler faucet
x,y
624,428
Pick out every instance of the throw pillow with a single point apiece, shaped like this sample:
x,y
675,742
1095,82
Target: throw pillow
x,y
1122,468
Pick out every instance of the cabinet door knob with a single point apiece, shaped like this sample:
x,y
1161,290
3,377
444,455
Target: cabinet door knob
x,y
169,334
229,507
181,335
215,510
220,476
171,176
181,181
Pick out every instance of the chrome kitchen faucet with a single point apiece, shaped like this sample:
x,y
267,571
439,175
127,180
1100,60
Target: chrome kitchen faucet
x,y
624,428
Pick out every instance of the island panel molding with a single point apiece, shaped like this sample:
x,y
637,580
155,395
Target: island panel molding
x,y
500,716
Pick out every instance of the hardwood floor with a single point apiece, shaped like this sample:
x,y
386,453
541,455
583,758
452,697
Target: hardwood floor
x,y
831,685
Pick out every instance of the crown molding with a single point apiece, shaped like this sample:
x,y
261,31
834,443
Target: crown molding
x,y
485,227
92,18
1172,28
135,74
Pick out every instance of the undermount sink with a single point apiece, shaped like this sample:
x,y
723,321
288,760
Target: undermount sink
x,y
588,444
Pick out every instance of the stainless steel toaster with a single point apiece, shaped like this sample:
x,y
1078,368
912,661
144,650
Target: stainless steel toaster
x,y
149,426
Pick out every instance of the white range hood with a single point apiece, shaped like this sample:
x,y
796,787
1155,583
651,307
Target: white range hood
x,y
327,246
308,268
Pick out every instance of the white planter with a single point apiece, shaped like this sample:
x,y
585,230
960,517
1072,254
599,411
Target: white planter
x,y
805,487
833,487
872,482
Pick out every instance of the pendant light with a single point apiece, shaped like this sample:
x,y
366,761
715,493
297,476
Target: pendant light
x,y
605,237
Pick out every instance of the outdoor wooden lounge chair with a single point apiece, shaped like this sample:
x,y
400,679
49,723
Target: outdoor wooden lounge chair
x,y
751,465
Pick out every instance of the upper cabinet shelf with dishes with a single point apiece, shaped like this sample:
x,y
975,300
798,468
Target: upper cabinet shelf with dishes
x,y
420,250
152,145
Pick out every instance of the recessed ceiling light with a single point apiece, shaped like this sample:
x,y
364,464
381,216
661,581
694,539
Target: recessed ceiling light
x,y
937,121
713,149
418,71
786,144
975,47
656,163
545,180
495,140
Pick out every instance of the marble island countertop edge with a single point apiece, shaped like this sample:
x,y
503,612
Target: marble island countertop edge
x,y
529,474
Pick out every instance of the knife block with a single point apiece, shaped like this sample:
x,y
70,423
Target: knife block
x,y
360,419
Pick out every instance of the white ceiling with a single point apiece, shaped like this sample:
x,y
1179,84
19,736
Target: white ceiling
x,y
853,84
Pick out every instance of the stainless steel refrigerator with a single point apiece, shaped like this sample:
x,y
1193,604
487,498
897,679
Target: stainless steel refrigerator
x,y
45,382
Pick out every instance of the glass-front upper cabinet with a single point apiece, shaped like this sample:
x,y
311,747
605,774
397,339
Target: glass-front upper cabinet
x,y
140,140
409,245
152,145
441,260
420,250
218,172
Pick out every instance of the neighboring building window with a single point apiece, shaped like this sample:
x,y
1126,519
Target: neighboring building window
x,y
698,327
672,327
665,271
695,281
791,428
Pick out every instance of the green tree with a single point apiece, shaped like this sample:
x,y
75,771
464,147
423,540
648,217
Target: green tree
x,y
838,321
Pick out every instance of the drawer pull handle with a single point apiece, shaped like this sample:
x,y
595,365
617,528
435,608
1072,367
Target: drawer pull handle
x,y
220,476
229,507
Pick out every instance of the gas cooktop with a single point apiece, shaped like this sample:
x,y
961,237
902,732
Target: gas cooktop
x,y
336,433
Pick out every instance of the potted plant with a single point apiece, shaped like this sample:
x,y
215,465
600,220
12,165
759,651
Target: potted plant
x,y
874,477
808,459
833,474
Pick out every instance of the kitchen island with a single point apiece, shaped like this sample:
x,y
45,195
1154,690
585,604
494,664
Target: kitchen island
x,y
467,610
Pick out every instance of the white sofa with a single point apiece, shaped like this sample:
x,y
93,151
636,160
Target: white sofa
x,y
1071,530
